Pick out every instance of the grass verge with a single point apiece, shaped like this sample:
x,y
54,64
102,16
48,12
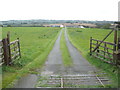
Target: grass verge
x,y
67,61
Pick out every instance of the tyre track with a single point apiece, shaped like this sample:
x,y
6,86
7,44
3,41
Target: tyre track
x,y
54,64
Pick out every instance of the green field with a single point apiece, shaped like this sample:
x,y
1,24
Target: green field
x,y
36,43
80,38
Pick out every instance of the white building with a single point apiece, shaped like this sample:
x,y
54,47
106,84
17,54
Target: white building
x,y
61,25
81,27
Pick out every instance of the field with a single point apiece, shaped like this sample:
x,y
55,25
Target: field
x,y
36,43
80,38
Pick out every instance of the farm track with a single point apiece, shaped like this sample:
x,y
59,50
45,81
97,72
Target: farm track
x,y
55,74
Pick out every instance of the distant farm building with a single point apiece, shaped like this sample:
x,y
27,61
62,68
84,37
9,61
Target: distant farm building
x,y
53,25
81,27
61,25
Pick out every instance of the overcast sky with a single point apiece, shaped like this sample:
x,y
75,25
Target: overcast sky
x,y
59,9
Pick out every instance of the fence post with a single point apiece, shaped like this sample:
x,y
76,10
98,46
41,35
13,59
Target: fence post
x,y
118,57
118,47
6,51
105,49
19,47
8,42
115,39
97,48
90,46
116,54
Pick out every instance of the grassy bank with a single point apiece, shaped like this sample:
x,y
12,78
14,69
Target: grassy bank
x,y
80,38
67,61
36,43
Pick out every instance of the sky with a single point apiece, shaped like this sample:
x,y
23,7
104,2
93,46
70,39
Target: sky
x,y
59,9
